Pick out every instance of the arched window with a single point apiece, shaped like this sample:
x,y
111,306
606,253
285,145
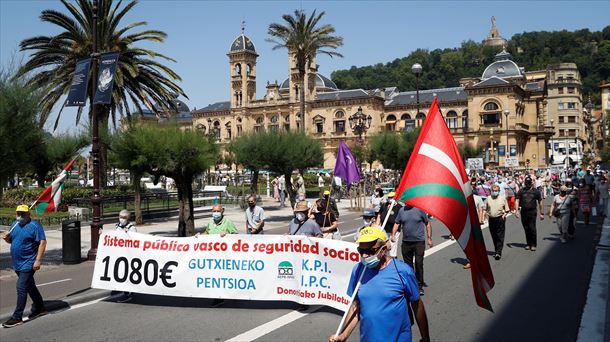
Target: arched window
x,y
287,123
258,126
238,69
492,115
419,119
217,129
451,119
274,126
248,69
465,119
390,123
339,114
405,116
228,129
491,106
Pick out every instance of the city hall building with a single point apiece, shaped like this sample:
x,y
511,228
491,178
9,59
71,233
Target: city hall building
x,y
510,112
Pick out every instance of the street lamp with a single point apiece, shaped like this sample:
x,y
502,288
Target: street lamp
x,y
492,154
552,157
359,123
417,70
96,199
506,154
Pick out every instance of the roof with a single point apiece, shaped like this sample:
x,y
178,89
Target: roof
x,y
242,43
321,82
426,96
184,117
214,107
492,81
535,86
502,67
342,94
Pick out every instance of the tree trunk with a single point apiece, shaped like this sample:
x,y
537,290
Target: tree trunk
x,y
137,198
254,183
289,189
302,99
186,217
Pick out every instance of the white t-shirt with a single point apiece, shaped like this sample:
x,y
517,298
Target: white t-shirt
x,y
320,182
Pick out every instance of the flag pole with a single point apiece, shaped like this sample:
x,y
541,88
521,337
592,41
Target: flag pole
x,y
387,215
351,302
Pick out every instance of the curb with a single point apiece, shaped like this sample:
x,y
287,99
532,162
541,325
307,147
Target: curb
x,y
67,302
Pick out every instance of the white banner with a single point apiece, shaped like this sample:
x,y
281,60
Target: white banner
x,y
511,162
474,163
253,267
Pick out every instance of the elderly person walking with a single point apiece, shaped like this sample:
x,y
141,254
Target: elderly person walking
x,y
561,209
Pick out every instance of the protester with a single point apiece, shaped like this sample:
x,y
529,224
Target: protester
x,y
584,199
282,190
321,184
255,217
336,186
220,224
28,244
602,191
381,305
415,226
528,201
561,209
125,225
327,221
276,188
299,185
573,193
389,224
510,190
496,209
330,204
303,225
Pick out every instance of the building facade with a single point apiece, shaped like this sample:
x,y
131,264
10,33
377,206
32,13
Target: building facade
x,y
528,116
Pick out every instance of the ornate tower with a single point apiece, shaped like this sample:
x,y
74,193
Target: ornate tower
x,y
242,61
293,75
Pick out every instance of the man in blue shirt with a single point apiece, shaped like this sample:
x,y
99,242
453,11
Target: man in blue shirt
x,y
381,303
28,243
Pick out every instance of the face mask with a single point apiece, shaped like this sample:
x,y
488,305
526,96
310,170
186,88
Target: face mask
x,y
495,194
20,219
528,184
301,198
562,193
251,205
300,216
123,222
367,222
371,262
217,216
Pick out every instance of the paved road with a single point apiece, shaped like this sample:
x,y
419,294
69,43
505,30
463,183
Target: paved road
x,y
538,296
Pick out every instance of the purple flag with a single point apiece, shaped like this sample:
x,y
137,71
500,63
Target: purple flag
x,y
346,166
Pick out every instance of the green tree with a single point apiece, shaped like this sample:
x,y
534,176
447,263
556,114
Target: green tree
x,y
54,152
247,151
20,131
304,38
139,79
174,153
469,151
393,149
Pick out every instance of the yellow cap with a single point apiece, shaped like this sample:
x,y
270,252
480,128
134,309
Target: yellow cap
x,y
23,208
391,194
326,192
370,234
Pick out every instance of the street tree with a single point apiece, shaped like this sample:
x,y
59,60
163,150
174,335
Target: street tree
x,y
52,154
171,152
139,79
304,37
247,151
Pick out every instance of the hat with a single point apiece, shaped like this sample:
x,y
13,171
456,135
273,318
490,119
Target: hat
x,y
391,194
563,188
370,234
23,208
301,206
326,192
369,212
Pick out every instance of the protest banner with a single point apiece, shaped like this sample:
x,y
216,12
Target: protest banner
x,y
306,270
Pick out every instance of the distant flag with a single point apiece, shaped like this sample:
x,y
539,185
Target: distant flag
x,y
346,166
435,181
50,198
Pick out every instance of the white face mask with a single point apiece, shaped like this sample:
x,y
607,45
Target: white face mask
x,y
367,222
300,216
123,222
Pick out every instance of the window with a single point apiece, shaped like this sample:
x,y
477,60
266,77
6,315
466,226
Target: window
x,y
571,105
561,119
465,119
419,119
491,119
560,89
274,125
339,114
491,106
571,90
340,126
287,123
451,119
571,119
572,132
405,116
217,129
390,123
562,132
238,69
319,127
239,130
248,69
560,105
258,127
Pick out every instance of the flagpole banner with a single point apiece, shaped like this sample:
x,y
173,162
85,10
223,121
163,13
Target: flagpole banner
x,y
50,198
346,166
105,78
305,270
78,88
436,182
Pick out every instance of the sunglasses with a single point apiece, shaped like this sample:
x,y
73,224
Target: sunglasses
x,y
368,251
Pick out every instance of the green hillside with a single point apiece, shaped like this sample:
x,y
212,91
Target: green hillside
x,y
532,50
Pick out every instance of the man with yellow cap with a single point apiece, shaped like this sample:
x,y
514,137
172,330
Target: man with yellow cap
x,y
28,243
381,303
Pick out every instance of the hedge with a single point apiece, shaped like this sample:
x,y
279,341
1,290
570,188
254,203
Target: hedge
x,y
15,196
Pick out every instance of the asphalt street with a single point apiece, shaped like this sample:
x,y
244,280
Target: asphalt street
x,y
538,296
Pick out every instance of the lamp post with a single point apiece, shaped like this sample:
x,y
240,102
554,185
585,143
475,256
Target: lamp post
x,y
359,123
417,70
506,154
552,157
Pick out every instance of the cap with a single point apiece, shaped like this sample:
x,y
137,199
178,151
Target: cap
x,y
369,212
326,192
370,234
563,188
391,194
23,208
301,206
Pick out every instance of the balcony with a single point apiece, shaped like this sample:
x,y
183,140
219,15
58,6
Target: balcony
x,y
566,81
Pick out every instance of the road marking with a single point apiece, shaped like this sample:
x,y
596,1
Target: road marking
x,y
54,282
277,323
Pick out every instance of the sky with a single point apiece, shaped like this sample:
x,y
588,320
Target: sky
x,y
201,32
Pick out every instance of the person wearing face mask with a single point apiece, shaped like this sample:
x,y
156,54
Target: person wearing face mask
x,y
387,288
327,221
561,209
496,209
301,224
602,192
255,217
415,227
125,225
219,224
389,225
330,204
368,219
28,244
528,201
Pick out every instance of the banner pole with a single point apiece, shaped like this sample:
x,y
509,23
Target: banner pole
x,y
387,216
351,302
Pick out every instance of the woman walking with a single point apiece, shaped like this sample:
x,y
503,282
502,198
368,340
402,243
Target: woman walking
x,y
561,209
585,196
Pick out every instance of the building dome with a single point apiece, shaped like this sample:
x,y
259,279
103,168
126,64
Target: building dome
x,y
320,82
242,43
503,67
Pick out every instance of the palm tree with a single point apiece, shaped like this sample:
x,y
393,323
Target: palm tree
x,y
302,37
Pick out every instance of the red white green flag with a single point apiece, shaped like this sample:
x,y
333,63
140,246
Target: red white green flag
x,y
436,182
50,198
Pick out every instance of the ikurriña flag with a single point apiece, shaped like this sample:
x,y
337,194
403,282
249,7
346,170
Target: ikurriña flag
x,y
50,198
436,182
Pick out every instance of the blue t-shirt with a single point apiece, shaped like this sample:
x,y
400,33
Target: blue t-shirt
x,y
24,244
413,222
383,301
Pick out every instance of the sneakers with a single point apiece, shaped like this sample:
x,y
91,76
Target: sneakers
x,y
38,313
533,248
12,322
562,239
497,256
421,291
527,248
125,298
